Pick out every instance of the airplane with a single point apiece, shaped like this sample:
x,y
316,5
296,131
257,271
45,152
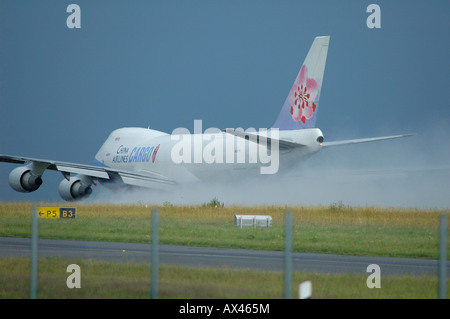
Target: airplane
x,y
144,157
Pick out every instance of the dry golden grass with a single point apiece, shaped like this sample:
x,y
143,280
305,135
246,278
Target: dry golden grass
x,y
319,215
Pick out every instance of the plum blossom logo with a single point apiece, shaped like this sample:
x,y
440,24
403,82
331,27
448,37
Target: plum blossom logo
x,y
302,95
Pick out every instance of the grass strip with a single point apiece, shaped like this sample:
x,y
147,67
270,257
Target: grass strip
x,y
123,280
336,229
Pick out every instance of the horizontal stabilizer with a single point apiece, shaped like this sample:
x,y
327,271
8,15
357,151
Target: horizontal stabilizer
x,y
364,140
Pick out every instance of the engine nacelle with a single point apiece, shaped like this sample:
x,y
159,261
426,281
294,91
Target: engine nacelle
x,y
77,188
22,180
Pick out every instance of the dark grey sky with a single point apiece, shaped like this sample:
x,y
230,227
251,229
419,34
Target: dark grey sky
x,y
228,63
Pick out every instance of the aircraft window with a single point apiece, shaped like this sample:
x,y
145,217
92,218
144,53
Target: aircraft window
x,y
117,139
320,139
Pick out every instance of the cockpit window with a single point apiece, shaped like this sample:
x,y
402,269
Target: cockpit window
x,y
320,139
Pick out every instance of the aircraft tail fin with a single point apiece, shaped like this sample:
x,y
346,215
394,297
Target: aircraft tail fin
x,y
300,108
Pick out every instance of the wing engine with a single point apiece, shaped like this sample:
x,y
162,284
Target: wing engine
x,y
76,187
23,180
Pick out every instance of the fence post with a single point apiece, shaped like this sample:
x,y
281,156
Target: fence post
x,y
34,254
288,256
155,259
443,258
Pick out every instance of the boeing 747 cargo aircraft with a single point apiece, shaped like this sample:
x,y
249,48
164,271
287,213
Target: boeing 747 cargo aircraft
x,y
145,157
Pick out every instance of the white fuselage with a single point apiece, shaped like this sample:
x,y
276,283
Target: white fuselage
x,y
196,157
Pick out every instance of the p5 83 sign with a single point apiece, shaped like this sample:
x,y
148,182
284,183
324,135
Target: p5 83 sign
x,y
56,212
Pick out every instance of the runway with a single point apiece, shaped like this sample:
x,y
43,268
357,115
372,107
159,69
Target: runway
x,y
217,257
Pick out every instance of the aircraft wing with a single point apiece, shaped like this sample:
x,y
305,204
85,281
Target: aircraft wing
x,y
363,140
282,144
143,178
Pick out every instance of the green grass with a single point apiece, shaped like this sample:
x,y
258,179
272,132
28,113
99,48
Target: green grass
x,y
365,231
337,229
122,280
